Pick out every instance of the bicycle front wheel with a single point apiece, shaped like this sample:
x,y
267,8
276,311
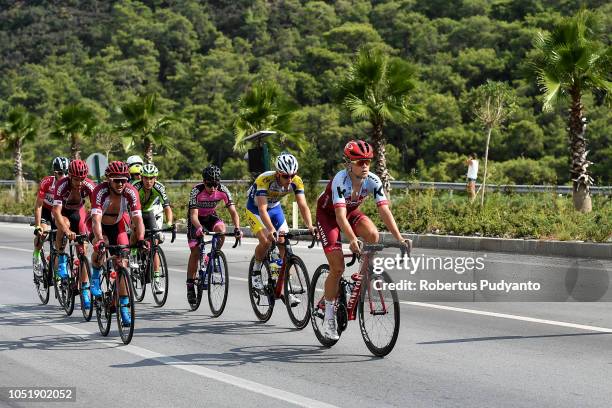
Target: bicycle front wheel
x,y
68,288
126,329
138,276
379,314
87,312
104,303
218,284
42,282
262,300
317,304
160,288
297,285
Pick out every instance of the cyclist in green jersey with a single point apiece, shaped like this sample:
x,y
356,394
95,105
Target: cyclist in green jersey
x,y
155,206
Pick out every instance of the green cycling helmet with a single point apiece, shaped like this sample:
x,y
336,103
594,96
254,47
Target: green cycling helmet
x,y
149,170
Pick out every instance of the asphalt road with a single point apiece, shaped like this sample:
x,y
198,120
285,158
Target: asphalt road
x,y
460,354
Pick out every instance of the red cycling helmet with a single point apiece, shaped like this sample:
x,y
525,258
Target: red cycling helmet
x,y
78,168
117,169
358,149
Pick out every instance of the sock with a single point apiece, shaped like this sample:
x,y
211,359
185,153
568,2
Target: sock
x,y
95,272
257,265
37,253
329,309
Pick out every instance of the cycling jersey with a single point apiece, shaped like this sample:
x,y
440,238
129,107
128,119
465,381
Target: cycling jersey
x,y
338,193
158,199
130,201
46,191
62,193
205,202
266,185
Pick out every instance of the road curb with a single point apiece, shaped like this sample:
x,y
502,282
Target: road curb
x,y
460,243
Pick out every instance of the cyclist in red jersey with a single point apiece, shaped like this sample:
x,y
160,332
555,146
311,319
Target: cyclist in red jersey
x,y
112,199
69,213
338,210
43,220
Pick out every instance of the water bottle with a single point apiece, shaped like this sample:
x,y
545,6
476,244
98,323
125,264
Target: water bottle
x,y
275,263
204,272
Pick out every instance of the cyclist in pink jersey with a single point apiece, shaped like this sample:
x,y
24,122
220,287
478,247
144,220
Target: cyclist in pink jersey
x,y
43,219
111,200
338,210
202,215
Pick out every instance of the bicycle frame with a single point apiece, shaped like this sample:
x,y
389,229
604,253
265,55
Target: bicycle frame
x,y
212,255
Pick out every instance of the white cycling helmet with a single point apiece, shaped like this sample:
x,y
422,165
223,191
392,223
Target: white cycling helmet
x,y
132,160
286,163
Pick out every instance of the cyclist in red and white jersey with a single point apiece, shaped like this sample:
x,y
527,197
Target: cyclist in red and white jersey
x,y
43,220
111,200
338,210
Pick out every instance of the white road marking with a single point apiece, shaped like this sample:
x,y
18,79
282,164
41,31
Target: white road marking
x,y
233,380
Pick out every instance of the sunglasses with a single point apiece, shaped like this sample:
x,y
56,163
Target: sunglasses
x,y
80,179
288,176
362,162
211,184
119,180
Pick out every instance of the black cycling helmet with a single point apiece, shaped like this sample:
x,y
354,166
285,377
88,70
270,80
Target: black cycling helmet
x,y
61,164
211,173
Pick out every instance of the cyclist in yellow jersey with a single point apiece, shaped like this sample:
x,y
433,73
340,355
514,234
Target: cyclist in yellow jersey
x,y
264,212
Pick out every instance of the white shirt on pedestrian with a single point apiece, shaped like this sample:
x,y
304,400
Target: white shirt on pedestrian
x,y
473,169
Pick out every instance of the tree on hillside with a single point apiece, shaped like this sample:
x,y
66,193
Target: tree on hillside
x,y
143,125
376,88
491,104
570,61
19,127
264,107
74,122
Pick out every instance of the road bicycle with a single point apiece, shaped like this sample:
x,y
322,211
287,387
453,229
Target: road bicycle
x,y
366,294
288,281
213,274
71,287
144,273
114,277
43,281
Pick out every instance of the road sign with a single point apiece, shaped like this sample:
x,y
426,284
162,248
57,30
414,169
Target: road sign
x,y
97,163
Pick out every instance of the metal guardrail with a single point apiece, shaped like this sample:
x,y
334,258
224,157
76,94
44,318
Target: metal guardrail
x,y
401,185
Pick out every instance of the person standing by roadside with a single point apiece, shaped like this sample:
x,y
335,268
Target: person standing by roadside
x,y
472,175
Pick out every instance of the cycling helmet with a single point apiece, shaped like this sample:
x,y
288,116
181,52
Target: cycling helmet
x,y
78,168
61,164
117,169
211,173
358,150
286,163
149,170
135,169
132,160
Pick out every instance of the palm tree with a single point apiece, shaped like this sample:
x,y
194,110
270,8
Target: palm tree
x,y
74,122
491,103
570,61
376,88
264,107
143,125
19,127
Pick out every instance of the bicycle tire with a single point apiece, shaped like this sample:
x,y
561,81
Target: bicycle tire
x,y
87,313
103,304
42,282
67,288
160,299
371,295
138,277
126,332
261,302
297,283
218,281
317,313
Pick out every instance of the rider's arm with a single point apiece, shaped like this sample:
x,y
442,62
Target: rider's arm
x,y
304,210
193,215
343,223
262,206
96,225
168,215
234,215
59,219
138,226
38,211
387,217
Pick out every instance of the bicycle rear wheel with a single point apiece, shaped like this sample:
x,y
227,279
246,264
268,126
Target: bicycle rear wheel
x,y
297,285
68,288
379,315
160,289
87,312
126,332
104,304
218,284
138,277
317,305
262,301
42,282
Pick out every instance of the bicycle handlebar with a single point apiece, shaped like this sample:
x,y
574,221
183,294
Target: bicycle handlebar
x,y
172,228
376,248
238,240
